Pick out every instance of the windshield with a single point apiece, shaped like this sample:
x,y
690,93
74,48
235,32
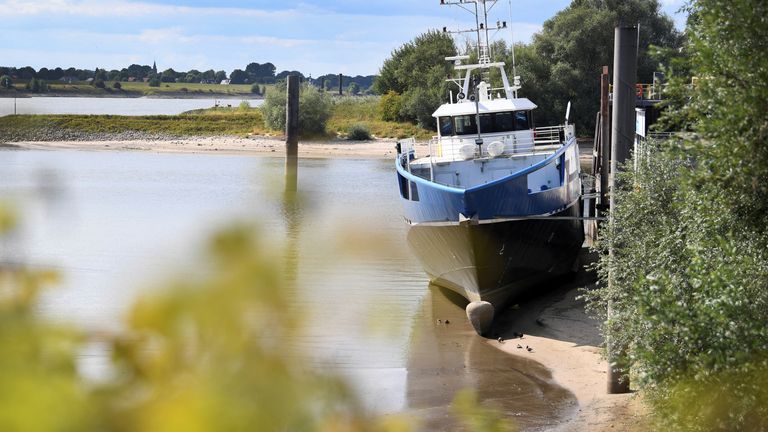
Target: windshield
x,y
489,123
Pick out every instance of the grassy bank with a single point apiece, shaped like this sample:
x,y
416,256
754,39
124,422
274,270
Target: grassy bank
x,y
348,111
209,122
136,89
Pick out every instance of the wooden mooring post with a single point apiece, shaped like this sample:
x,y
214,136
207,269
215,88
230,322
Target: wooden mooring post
x,y
292,135
622,137
605,140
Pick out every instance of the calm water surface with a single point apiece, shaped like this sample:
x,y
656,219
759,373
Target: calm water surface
x,y
116,223
112,106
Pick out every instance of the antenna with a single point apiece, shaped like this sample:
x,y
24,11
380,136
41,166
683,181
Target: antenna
x,y
512,32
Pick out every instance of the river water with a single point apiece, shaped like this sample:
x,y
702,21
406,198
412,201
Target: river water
x,y
112,106
115,223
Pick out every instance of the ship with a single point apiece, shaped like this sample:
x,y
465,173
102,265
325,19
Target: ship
x,y
493,209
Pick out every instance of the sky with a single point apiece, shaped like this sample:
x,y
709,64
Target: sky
x,y
315,37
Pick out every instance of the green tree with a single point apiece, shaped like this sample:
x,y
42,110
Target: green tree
x,y
690,262
6,82
417,71
239,77
564,60
314,109
353,88
391,106
154,82
168,76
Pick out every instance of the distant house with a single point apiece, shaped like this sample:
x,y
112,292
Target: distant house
x,y
68,79
225,82
131,79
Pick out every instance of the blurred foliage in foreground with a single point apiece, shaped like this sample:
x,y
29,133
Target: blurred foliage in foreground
x,y
690,300
200,355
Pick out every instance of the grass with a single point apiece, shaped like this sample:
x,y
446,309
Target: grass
x,y
216,121
347,112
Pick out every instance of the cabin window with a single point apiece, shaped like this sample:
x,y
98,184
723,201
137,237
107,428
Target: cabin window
x,y
465,125
446,126
505,122
487,124
490,123
521,120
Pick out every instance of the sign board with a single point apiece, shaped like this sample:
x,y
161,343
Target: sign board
x,y
640,121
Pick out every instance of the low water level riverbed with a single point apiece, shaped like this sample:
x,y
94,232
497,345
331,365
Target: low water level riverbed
x,y
115,223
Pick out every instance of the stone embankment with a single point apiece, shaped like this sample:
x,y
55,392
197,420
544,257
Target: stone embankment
x,y
47,134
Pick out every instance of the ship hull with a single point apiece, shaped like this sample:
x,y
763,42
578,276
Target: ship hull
x,y
498,262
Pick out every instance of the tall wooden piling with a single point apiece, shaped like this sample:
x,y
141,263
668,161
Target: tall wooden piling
x,y
341,84
622,138
292,135
605,140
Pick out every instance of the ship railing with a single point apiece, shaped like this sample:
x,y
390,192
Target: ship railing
x,y
549,135
542,140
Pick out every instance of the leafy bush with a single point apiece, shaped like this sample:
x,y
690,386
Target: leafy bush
x,y
390,106
117,86
689,298
6,82
36,85
244,105
359,132
99,84
154,82
256,89
314,109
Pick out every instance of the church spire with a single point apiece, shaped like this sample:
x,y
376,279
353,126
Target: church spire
x,y
154,67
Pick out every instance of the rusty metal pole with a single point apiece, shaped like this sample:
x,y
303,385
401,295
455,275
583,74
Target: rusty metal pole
x,y
292,135
605,140
622,138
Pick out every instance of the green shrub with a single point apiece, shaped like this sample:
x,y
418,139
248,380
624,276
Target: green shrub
x,y
256,89
99,84
6,82
314,109
359,132
117,86
154,82
391,106
244,105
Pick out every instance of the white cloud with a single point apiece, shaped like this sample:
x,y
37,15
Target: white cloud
x,y
122,8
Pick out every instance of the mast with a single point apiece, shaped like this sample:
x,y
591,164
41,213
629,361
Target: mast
x,y
482,8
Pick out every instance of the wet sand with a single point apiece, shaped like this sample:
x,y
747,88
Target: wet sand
x,y
446,356
267,146
566,341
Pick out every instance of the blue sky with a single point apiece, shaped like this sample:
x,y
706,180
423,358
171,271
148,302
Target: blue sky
x,y
315,37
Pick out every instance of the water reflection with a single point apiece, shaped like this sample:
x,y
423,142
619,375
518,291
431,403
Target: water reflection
x,y
446,356
112,221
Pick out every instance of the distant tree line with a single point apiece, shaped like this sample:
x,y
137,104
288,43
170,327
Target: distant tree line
x,y
253,73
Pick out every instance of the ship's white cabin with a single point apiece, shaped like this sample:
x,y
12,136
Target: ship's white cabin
x,y
507,142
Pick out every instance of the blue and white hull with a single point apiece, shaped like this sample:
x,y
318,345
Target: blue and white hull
x,y
493,241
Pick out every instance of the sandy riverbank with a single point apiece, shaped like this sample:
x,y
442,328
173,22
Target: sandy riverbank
x,y
267,146
566,341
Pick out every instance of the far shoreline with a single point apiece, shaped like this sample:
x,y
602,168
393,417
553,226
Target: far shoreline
x,y
134,95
